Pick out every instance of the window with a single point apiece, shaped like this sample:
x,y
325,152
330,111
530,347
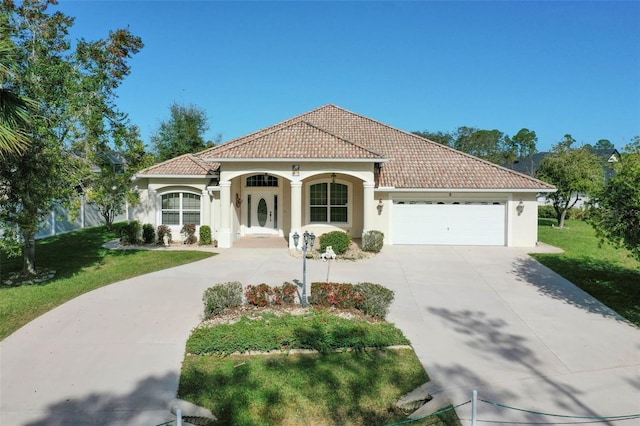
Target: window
x,y
329,202
262,180
179,208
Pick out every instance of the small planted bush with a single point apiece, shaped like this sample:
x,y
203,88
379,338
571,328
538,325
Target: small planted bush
x,y
164,231
205,235
131,233
375,299
258,295
222,296
338,240
372,241
333,294
148,233
285,294
188,233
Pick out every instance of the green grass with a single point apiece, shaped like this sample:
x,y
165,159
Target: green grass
x,y
316,330
609,274
81,265
326,388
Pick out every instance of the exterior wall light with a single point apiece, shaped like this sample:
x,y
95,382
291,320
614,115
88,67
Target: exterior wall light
x,y
380,206
520,207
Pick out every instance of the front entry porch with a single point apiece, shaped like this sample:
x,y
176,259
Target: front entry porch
x,y
261,241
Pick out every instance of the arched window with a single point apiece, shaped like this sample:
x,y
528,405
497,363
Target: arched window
x,y
262,180
329,202
179,208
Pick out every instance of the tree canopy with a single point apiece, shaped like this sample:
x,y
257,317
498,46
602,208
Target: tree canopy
x,y
15,111
615,210
575,172
182,133
74,89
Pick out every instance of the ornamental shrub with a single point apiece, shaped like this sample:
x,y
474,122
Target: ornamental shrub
x,y
338,240
205,235
372,241
258,295
222,296
188,233
162,231
285,294
131,233
547,212
333,294
148,233
375,299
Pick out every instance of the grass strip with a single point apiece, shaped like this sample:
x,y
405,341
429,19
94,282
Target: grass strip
x,y
81,265
316,330
609,274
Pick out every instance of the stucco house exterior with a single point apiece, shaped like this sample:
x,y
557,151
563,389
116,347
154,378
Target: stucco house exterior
x,y
332,169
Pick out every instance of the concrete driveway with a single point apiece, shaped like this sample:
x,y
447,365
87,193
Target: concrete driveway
x,y
490,319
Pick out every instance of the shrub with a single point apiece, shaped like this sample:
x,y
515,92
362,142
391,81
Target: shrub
x,y
188,233
546,212
164,230
148,233
131,233
258,295
372,241
285,294
332,294
222,296
205,235
338,240
375,299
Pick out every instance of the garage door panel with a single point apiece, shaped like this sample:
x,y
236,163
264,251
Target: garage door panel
x,y
449,224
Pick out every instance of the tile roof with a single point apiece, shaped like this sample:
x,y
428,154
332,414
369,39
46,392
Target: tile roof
x,y
331,132
296,140
184,165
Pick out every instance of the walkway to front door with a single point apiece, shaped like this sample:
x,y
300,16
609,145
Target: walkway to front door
x,y
261,241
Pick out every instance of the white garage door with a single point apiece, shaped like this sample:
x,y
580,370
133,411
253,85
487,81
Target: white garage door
x,y
449,224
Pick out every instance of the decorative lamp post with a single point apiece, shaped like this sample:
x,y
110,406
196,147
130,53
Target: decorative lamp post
x,y
308,241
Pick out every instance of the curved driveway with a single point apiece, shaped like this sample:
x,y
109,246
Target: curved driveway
x,y
484,318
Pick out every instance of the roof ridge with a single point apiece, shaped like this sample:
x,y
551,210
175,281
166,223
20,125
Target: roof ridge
x,y
357,145
238,141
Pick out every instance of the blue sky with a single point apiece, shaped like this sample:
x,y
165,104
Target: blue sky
x,y
552,67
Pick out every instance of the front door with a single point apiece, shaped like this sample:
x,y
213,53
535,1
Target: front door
x,y
261,213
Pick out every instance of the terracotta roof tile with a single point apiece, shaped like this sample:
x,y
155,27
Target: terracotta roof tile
x,y
187,164
295,140
334,133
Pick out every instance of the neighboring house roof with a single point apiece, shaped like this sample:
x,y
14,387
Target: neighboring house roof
x,y
184,165
530,164
332,133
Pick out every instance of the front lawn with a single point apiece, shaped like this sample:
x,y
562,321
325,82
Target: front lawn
x,y
357,387
610,275
81,265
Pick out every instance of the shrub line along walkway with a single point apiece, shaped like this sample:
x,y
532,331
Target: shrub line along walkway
x,y
486,318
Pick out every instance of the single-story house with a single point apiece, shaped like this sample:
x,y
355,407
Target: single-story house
x,y
332,169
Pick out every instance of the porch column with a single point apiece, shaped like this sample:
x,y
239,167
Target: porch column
x,y
224,236
206,208
296,210
368,206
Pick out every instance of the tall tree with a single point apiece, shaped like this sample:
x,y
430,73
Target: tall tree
x,y
604,144
443,138
110,189
523,145
75,91
182,133
615,210
575,172
490,145
15,111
